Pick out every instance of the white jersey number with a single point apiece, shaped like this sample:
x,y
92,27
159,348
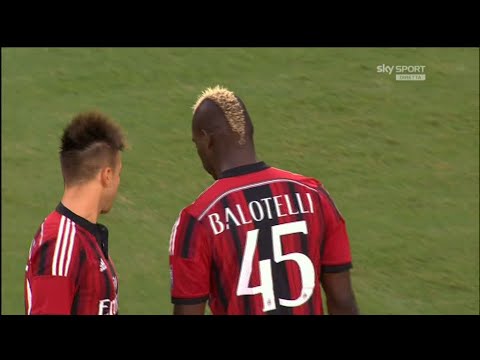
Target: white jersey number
x,y
265,288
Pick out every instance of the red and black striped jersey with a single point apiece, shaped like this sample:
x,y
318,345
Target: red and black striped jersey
x,y
69,270
257,242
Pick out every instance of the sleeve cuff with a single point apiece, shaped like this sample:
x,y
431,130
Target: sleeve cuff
x,y
336,268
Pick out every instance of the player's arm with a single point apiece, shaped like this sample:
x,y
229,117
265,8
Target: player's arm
x,y
336,261
190,263
339,292
50,286
195,309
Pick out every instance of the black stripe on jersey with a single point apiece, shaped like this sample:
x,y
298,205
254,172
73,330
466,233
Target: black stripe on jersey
x,y
82,258
75,304
281,287
239,250
188,237
336,268
236,239
43,258
303,238
102,239
108,287
218,285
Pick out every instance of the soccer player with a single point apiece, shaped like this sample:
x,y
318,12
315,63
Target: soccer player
x,y
69,269
260,240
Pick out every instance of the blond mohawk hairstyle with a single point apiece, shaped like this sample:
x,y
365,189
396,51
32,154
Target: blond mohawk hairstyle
x,y
230,106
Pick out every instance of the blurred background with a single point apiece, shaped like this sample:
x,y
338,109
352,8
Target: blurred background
x,y
400,158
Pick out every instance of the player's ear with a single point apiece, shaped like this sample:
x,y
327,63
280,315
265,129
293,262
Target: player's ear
x,y
106,176
208,139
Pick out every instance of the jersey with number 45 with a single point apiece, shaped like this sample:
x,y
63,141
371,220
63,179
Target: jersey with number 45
x,y
257,242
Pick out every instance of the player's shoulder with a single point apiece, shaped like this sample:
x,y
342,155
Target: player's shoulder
x,y
204,199
312,184
56,227
50,226
57,242
296,177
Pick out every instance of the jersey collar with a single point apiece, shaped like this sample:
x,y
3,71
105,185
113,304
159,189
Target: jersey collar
x,y
244,169
100,231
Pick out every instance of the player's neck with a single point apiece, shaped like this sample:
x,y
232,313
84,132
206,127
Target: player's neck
x,y
236,161
83,200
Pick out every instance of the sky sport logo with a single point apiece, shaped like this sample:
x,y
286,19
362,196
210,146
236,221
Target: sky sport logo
x,y
404,72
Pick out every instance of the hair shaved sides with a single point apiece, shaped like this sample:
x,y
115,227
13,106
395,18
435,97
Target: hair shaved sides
x,y
231,108
89,142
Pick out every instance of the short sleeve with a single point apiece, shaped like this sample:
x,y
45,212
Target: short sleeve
x,y
335,248
52,272
190,261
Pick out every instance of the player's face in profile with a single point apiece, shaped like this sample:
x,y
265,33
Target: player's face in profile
x,y
112,188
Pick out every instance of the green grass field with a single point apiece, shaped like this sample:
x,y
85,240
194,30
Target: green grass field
x,y
400,158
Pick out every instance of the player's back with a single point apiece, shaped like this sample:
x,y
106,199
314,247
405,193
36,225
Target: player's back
x,y
266,231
